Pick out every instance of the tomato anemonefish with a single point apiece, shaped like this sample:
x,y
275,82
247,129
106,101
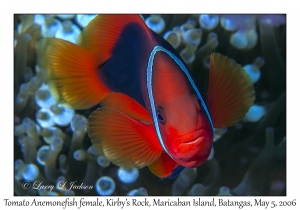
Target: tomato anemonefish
x,y
152,113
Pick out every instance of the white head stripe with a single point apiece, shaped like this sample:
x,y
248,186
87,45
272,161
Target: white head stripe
x,y
150,92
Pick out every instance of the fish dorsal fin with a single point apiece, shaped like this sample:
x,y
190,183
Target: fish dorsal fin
x,y
163,166
128,106
101,34
124,140
230,91
71,73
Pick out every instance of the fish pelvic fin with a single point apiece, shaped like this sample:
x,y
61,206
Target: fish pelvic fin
x,y
230,91
71,73
101,34
164,166
124,141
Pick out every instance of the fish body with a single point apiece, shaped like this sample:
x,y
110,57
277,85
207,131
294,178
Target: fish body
x,y
152,113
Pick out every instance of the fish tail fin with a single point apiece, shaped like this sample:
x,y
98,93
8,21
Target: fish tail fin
x,y
101,34
230,91
72,73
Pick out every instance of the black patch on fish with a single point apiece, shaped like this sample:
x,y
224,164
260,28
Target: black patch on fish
x,y
122,72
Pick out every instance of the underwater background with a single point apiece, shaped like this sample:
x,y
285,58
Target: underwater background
x,y
51,144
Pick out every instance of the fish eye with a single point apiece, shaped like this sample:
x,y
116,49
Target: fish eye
x,y
161,118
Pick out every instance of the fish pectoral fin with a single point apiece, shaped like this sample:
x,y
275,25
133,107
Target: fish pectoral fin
x,y
230,91
71,73
127,105
125,141
164,166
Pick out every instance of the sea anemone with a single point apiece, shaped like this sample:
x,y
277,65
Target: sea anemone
x,y
68,32
208,22
156,23
184,181
83,20
255,113
105,186
197,189
44,98
224,191
128,176
254,69
62,116
138,192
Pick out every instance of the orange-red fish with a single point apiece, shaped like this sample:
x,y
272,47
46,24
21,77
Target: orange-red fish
x,y
152,113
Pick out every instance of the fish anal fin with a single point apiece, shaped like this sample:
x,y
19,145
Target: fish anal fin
x,y
124,140
72,73
230,91
163,166
101,34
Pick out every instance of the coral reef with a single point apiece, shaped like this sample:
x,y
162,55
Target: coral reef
x,y
50,140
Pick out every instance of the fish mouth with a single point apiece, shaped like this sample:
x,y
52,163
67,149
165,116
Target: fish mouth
x,y
192,141
193,149
191,144
190,138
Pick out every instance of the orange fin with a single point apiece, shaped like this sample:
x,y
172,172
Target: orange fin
x,y
71,72
101,34
127,105
230,91
124,140
163,166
